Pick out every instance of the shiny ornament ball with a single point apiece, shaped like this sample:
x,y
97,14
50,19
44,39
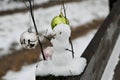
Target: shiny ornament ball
x,y
28,40
58,20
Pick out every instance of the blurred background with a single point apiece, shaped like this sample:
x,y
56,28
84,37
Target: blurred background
x,y
16,63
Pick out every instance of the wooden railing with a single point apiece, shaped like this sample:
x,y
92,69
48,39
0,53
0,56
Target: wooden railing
x,y
99,50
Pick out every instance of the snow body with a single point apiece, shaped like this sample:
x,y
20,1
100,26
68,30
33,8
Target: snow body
x,y
62,63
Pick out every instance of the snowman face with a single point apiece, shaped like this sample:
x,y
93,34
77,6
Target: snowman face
x,y
62,33
58,35
28,40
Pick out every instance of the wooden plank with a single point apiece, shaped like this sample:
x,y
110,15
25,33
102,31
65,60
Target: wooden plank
x,y
117,72
100,48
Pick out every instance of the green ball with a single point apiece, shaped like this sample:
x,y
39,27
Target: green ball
x,y
59,20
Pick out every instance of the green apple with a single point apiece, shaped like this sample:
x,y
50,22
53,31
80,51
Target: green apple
x,y
58,20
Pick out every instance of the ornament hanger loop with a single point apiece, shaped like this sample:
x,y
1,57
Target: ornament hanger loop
x,y
62,9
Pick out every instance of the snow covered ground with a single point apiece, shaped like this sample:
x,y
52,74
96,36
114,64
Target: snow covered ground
x,y
26,73
16,5
78,13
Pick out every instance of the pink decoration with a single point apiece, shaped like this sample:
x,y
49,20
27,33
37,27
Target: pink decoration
x,y
48,53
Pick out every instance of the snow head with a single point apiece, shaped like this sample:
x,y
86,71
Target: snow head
x,y
61,34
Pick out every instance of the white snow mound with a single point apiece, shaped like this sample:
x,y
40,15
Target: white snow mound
x,y
76,67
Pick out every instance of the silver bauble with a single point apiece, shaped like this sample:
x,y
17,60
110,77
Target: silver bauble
x,y
28,40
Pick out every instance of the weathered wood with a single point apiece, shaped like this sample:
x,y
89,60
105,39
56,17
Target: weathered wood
x,y
112,3
100,48
117,72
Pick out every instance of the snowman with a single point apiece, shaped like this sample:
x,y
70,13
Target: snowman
x,y
61,56
61,33
59,52
59,60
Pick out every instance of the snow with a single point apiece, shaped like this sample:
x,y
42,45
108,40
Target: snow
x,y
81,43
26,73
113,61
62,33
76,67
12,26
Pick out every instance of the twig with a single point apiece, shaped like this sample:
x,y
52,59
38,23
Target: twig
x,y
26,5
69,50
47,38
31,11
64,9
70,40
71,47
